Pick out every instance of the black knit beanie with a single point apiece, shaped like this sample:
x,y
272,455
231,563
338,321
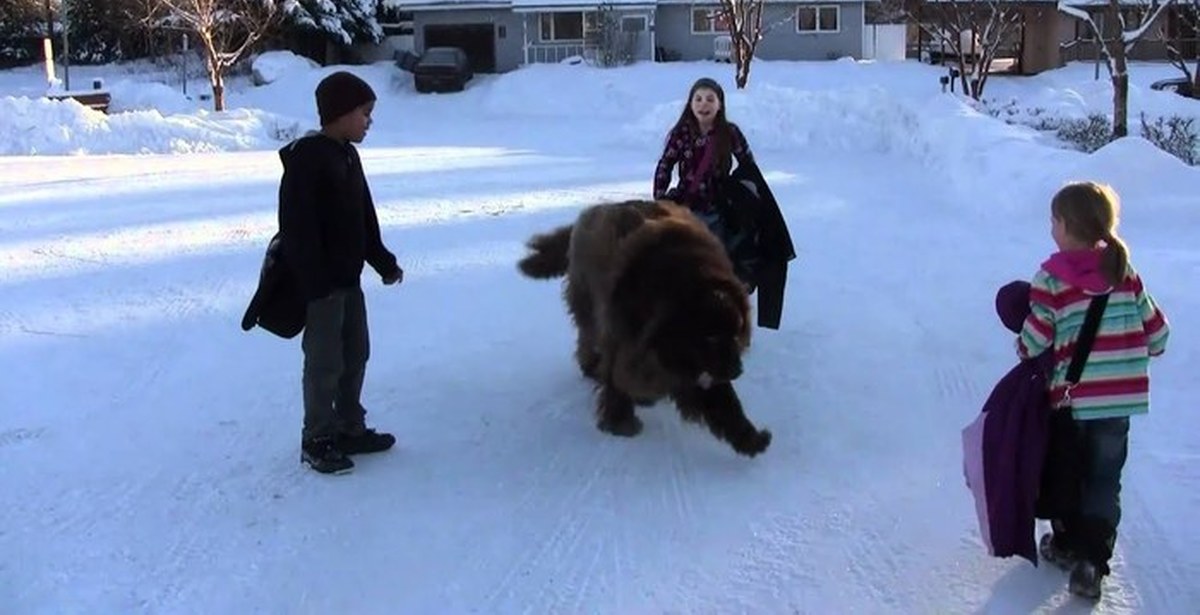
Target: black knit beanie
x,y
339,94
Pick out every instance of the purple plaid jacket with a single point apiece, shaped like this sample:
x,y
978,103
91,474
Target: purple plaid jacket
x,y
685,147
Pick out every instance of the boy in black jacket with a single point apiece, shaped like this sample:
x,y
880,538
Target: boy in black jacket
x,y
329,228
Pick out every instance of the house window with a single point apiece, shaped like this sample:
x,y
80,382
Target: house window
x,y
818,18
562,26
633,24
708,21
393,21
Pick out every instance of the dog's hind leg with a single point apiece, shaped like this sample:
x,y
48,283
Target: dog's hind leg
x,y
720,409
579,303
615,413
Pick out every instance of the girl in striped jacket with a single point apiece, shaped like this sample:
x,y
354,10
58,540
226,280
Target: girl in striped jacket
x,y
1115,384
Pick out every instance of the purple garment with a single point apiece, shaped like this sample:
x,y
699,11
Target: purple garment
x,y
685,148
1005,446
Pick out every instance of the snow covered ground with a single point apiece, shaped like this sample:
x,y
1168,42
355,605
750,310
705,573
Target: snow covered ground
x,y
149,447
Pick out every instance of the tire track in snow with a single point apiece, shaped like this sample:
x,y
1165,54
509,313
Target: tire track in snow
x,y
568,523
956,383
1155,580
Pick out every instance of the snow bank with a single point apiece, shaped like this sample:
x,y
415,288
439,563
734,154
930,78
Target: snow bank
x,y
268,67
1137,169
567,90
773,117
129,95
30,126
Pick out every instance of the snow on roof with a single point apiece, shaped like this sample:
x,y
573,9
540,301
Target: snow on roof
x,y
707,2
434,5
528,5
1092,3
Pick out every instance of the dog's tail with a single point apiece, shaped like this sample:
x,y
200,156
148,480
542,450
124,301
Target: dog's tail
x,y
549,257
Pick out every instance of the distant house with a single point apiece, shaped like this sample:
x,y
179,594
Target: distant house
x,y
501,35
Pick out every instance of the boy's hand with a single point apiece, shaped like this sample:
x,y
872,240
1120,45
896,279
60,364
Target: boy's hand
x,y
394,278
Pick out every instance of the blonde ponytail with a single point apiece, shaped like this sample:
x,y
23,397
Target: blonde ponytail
x,y
1114,261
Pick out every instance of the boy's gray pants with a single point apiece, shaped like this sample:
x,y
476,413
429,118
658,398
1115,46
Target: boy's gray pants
x,y
336,347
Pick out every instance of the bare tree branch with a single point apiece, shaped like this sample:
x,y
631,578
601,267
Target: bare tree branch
x,y
1190,29
974,31
227,29
745,22
1115,49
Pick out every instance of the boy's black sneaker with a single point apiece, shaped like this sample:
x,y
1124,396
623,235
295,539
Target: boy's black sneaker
x,y
324,456
369,441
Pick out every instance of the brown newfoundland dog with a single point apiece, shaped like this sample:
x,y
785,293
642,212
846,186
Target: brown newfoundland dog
x,y
659,313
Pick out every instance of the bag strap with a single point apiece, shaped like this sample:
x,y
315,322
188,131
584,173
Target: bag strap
x,y
1087,335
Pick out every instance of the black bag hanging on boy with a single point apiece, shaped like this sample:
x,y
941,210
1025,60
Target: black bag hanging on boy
x,y
1061,489
277,306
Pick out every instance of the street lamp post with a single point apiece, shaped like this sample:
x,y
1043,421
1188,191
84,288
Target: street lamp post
x,y
48,46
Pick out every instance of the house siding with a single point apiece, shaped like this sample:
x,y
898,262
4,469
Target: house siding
x,y
509,52
782,42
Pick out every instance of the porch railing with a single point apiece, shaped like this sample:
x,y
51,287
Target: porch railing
x,y
541,53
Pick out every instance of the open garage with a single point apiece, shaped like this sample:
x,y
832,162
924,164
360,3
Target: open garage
x,y
478,40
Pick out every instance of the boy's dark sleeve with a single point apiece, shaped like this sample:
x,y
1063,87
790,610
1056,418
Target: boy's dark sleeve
x,y
381,260
300,226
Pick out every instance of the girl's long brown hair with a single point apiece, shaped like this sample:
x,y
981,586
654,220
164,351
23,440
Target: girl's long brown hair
x,y
722,137
1090,213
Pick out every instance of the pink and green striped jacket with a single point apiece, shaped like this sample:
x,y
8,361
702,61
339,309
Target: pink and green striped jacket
x,y
1116,377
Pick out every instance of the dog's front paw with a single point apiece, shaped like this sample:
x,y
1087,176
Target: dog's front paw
x,y
628,426
754,443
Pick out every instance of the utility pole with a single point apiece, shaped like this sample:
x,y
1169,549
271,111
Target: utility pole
x,y
184,64
66,24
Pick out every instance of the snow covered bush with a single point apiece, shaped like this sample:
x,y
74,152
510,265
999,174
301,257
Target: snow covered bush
x,y
1176,135
1088,134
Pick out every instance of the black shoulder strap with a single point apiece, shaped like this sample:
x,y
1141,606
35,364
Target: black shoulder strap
x,y
1087,335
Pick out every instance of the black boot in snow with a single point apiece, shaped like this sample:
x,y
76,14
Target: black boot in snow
x,y
368,441
1085,580
323,455
1055,553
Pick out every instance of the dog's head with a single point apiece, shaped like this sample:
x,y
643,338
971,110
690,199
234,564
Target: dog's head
x,y
700,336
679,302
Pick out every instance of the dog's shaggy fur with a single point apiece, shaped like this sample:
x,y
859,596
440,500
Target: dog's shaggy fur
x,y
659,313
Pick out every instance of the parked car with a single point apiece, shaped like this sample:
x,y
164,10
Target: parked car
x,y
1179,85
442,69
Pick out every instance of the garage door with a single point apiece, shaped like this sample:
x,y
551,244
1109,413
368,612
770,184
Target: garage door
x,y
478,40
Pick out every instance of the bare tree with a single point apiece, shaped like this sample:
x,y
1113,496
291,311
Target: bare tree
x,y
973,32
226,30
746,27
1133,20
1190,29
887,12
745,21
610,44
